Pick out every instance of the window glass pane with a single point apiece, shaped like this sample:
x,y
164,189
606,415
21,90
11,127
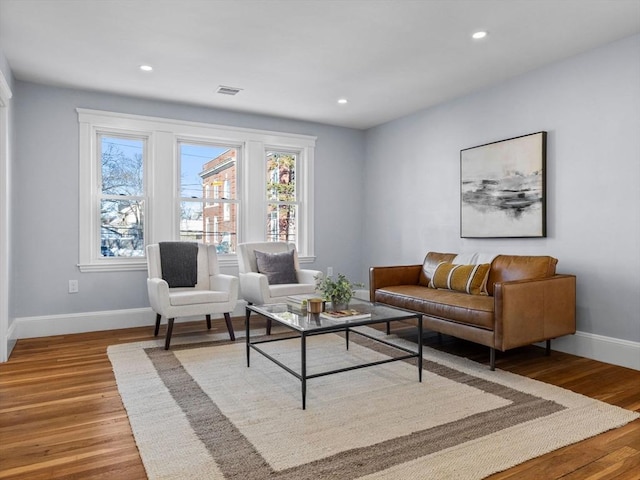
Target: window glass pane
x,y
122,165
208,172
215,225
281,223
121,228
281,176
205,168
191,221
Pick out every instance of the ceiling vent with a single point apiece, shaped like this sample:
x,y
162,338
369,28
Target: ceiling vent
x,y
228,90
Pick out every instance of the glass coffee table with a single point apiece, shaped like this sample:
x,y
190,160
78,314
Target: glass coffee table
x,y
307,324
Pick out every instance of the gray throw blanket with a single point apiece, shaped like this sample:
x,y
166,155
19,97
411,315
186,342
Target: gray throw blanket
x,y
179,263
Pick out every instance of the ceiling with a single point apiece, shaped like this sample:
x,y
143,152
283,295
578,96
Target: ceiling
x,y
296,58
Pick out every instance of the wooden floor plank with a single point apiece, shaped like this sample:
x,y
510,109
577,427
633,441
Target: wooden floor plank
x,y
61,416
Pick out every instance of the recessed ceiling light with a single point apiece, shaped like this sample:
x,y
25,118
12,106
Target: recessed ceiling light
x,y
479,35
342,101
146,68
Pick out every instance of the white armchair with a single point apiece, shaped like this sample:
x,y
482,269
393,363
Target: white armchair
x,y
255,287
212,292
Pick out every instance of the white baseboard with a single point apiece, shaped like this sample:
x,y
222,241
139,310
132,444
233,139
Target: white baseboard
x,y
616,351
597,347
49,325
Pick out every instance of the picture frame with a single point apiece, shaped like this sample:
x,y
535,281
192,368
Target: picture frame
x,y
503,188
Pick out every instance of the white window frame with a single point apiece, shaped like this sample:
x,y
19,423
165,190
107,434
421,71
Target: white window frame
x,y
162,181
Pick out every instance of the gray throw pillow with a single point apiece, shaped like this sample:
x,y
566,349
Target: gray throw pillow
x,y
278,267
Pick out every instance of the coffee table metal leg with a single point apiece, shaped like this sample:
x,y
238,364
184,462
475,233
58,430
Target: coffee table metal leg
x,y
420,348
246,325
304,369
346,336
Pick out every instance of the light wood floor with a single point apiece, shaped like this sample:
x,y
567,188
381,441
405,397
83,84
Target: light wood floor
x,y
61,416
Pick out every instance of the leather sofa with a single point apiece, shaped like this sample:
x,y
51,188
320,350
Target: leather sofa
x,y
525,300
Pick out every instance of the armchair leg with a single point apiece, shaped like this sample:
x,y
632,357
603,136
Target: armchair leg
x,y
208,322
268,326
155,333
167,341
227,319
492,358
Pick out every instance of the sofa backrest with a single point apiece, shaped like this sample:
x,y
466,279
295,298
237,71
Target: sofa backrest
x,y
430,263
506,268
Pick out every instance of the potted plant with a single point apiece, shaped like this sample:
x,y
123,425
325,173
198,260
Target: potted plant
x,y
339,291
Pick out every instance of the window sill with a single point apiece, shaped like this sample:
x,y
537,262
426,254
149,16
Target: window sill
x,y
225,261
113,266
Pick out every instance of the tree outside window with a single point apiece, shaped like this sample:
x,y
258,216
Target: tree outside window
x,y
122,196
282,204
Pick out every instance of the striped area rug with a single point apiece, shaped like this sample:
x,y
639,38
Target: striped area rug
x,y
198,412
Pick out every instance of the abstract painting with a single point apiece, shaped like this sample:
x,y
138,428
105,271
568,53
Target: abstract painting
x,y
502,188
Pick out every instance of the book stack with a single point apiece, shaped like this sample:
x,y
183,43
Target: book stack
x,y
349,314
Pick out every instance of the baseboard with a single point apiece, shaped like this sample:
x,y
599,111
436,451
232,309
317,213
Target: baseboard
x,y
49,325
616,351
11,341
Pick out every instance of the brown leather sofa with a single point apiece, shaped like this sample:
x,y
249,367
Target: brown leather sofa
x,y
527,301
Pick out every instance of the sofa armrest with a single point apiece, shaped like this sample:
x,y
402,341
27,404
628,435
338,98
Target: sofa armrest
x,y
308,276
380,277
158,290
529,311
225,283
254,287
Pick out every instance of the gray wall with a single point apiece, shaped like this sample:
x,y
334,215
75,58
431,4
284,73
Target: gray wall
x,y
590,107
6,71
384,196
45,198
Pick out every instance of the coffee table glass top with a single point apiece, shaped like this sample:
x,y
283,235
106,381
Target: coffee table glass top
x,y
301,320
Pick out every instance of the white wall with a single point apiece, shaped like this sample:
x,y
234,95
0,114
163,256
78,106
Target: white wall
x,y
590,105
45,198
6,143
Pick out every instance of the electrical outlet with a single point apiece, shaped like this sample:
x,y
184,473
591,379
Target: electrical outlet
x,y
73,286
329,271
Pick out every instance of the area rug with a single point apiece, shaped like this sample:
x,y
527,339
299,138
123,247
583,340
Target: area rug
x,y
198,412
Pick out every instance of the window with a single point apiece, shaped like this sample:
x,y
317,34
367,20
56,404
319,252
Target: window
x,y
145,180
203,170
282,205
121,196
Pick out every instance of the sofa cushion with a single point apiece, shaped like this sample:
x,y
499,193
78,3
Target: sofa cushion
x,y
179,297
476,310
461,278
431,261
278,267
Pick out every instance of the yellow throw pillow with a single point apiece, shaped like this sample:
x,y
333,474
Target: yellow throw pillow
x,y
461,278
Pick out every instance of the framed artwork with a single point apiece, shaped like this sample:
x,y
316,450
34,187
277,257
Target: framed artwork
x,y
503,188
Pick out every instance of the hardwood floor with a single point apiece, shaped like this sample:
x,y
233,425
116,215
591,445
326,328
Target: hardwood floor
x,y
61,416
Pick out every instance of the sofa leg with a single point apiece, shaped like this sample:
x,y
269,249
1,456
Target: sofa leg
x,y
227,319
547,350
492,358
155,333
167,341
